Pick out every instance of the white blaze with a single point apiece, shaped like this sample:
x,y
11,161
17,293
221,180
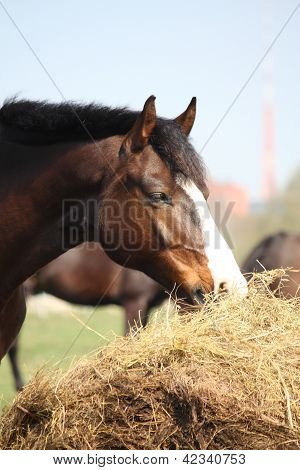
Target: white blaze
x,y
221,261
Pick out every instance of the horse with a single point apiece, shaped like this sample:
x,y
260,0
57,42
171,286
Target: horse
x,y
281,250
129,180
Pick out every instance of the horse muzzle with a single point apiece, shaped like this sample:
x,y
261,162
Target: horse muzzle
x,y
198,297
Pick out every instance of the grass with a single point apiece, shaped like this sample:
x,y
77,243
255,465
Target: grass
x,y
47,335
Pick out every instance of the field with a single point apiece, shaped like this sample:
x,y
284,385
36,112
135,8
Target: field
x,y
52,335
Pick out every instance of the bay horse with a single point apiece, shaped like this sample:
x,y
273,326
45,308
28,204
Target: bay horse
x,y
281,250
136,185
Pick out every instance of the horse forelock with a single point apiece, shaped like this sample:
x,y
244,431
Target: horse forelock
x,y
176,149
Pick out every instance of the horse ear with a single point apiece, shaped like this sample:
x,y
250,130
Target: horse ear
x,y
187,118
137,138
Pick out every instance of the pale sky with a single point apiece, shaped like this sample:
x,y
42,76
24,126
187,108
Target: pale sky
x,y
119,52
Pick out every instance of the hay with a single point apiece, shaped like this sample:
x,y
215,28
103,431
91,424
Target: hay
x,y
225,378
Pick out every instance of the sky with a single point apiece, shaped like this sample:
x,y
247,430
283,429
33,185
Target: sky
x,y
120,52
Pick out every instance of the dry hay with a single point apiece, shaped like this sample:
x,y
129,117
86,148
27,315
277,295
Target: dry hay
x,y
225,378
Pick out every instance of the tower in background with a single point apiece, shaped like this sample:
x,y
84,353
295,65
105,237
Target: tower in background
x,y
269,180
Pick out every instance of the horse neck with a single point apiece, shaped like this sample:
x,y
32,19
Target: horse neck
x,y
35,196
40,177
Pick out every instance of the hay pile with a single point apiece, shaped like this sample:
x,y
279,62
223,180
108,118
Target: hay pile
x,y
225,378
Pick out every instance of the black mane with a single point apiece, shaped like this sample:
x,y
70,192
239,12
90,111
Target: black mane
x,y
64,120
42,122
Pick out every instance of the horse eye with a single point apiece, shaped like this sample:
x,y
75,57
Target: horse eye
x,y
160,197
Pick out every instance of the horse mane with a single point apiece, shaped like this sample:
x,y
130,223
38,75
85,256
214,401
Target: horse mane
x,y
70,121
66,119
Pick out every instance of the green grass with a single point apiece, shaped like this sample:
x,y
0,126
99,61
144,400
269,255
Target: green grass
x,y
49,339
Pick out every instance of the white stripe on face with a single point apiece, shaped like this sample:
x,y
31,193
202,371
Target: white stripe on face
x,y
221,262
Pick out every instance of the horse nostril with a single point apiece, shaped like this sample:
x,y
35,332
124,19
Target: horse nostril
x,y
223,288
199,296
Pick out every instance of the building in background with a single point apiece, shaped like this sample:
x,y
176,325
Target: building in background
x,y
229,198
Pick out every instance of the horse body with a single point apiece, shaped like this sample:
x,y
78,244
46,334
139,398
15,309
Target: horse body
x,y
281,250
132,171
